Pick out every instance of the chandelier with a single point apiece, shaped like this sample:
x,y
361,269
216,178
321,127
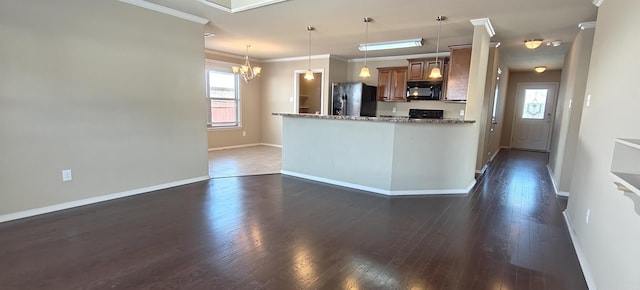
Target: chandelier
x,y
246,71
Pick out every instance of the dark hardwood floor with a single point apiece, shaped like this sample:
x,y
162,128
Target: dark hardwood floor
x,y
280,232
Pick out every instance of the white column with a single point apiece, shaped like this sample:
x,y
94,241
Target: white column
x,y
482,32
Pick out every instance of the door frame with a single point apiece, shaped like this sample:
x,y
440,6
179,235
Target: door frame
x,y
553,112
296,90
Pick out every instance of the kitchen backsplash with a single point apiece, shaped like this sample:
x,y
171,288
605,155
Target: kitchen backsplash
x,y
451,110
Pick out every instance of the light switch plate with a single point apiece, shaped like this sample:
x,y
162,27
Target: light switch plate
x,y
66,175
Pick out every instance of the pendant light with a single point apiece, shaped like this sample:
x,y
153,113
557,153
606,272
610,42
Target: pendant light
x,y
436,73
309,74
364,72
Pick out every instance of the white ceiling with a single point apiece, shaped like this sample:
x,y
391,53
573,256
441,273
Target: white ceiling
x,y
279,30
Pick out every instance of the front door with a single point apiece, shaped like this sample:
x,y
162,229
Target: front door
x,y
533,120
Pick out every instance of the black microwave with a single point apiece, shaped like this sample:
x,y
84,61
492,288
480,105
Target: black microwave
x,y
424,90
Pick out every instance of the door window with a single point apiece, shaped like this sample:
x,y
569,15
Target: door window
x,y
534,104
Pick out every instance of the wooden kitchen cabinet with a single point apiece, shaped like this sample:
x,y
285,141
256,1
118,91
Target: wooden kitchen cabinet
x,y
392,84
458,74
419,69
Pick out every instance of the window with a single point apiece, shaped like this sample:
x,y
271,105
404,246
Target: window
x,y
495,99
534,104
223,98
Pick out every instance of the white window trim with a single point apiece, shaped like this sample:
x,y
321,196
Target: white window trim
x,y
213,65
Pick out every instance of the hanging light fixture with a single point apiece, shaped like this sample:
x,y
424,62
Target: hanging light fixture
x,y
364,72
533,43
436,73
309,74
246,70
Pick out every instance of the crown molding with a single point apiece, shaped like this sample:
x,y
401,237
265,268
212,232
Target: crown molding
x,y
166,10
486,23
297,58
597,3
587,25
224,54
240,8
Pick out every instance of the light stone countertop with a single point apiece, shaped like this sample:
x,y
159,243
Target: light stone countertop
x,y
398,119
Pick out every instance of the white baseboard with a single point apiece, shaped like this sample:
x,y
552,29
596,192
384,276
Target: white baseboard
x,y
496,153
581,258
553,180
243,146
555,184
233,147
379,190
272,145
87,201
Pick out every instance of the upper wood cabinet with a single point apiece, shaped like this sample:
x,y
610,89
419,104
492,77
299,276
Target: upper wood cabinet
x,y
419,69
458,75
392,84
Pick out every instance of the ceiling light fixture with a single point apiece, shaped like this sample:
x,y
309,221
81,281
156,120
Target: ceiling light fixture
x,y
436,73
309,74
364,72
533,43
540,69
246,70
417,42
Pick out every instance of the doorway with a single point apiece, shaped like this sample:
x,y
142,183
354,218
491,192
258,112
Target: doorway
x,y
309,94
533,118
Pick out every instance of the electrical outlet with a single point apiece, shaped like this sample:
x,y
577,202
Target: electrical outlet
x,y
244,133
587,215
394,110
461,113
291,100
66,175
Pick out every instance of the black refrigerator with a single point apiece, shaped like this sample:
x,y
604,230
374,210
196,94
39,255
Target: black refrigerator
x,y
353,99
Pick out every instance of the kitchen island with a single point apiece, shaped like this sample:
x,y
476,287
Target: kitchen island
x,y
385,155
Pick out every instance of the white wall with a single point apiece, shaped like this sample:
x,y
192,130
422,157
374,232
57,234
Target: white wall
x,y
609,241
381,156
278,92
96,87
569,110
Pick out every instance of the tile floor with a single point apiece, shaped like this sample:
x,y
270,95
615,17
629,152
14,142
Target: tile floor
x,y
254,160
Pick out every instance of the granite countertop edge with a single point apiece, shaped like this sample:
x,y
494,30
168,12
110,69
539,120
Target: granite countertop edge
x,y
377,119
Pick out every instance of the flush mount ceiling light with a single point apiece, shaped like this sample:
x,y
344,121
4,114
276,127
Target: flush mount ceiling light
x,y
540,69
436,73
309,74
554,43
364,72
533,43
417,42
246,70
